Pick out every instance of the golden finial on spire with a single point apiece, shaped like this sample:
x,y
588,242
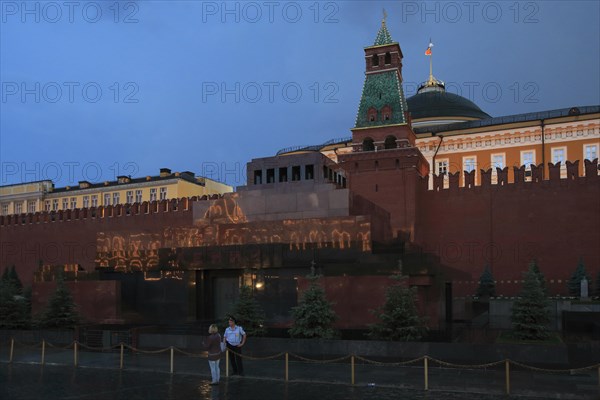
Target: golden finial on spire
x,y
384,16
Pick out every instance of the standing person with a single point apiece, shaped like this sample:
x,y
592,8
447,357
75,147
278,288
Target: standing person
x,y
235,338
213,345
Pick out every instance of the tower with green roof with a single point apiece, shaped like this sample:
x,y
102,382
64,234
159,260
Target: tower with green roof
x,y
384,164
381,121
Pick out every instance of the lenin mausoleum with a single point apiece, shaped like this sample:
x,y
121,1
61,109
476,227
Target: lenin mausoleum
x,y
430,184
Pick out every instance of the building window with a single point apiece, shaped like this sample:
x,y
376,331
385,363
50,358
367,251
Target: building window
x,y
4,209
73,203
86,201
18,207
390,142
375,60
55,205
65,204
163,193
528,158
129,196
283,174
368,144
271,175
590,151
106,199
296,173
95,200
470,163
442,167
47,205
138,196
153,194
115,199
309,172
258,177
388,58
498,161
559,154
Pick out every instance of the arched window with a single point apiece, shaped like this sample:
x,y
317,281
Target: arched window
x,y
372,114
386,113
375,60
390,142
388,58
368,144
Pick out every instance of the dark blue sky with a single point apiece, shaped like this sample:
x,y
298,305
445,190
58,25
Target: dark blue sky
x,y
91,93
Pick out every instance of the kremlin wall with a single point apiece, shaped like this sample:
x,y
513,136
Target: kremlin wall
x,y
355,210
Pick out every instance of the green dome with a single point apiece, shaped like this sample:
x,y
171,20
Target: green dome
x,y
439,103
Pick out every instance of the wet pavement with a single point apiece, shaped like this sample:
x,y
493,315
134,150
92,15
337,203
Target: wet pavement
x,y
147,376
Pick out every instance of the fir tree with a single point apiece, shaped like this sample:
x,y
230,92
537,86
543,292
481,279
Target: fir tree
x,y
248,313
14,312
398,318
314,316
533,264
14,278
574,283
61,311
487,285
530,314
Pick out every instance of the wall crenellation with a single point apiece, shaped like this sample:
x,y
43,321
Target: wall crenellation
x,y
557,175
98,213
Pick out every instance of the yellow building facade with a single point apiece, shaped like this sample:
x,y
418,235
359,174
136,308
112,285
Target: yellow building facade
x,y
43,196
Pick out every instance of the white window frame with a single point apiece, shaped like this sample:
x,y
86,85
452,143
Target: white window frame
x,y
493,165
116,198
152,194
563,164
86,201
138,196
523,152
442,161
5,209
65,203
163,193
464,167
31,206
94,200
55,203
73,203
129,196
18,207
589,146
47,205
106,199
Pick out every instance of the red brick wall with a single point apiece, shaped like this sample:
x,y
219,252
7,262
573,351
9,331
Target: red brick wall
x,y
96,301
71,241
555,221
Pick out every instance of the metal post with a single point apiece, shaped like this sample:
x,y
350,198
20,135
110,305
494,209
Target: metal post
x,y
12,348
286,366
352,367
507,364
43,351
425,371
172,355
121,363
227,363
75,353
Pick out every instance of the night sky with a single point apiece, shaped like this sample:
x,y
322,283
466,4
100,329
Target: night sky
x,y
92,90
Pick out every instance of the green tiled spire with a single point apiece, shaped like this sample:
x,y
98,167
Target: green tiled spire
x,y
383,36
379,90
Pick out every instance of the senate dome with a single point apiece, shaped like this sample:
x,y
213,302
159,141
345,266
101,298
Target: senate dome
x,y
433,105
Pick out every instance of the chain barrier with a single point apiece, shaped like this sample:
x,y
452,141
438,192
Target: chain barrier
x,y
70,345
572,370
189,354
392,364
334,360
28,345
467,366
147,351
274,356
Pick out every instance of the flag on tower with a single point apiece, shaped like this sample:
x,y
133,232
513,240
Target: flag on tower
x,y
428,51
